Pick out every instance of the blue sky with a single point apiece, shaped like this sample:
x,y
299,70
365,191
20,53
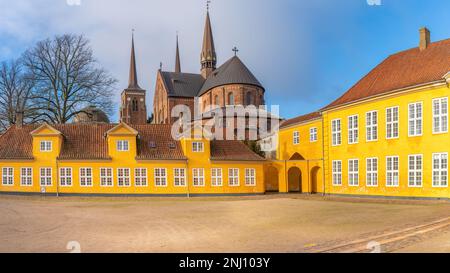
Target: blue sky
x,y
306,53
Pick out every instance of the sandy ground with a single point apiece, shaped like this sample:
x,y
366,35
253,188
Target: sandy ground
x,y
278,223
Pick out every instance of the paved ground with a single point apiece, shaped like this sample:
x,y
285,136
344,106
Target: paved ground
x,y
278,223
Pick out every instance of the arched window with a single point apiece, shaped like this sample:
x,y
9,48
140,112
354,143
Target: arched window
x,y
230,99
134,105
249,98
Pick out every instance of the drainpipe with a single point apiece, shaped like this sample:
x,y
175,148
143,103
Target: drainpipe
x,y
323,157
187,179
57,178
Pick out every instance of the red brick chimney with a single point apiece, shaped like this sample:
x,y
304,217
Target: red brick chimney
x,y
424,38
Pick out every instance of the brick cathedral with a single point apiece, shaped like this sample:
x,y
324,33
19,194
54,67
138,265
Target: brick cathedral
x,y
228,85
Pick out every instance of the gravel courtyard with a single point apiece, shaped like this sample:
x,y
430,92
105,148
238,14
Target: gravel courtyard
x,y
274,223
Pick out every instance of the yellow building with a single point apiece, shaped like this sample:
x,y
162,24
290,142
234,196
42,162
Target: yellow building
x,y
386,136
120,159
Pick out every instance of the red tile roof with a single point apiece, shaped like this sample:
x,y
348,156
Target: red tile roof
x,y
404,69
300,119
88,142
232,150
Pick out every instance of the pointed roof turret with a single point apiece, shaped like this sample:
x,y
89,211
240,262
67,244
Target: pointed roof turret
x,y
177,59
133,80
208,56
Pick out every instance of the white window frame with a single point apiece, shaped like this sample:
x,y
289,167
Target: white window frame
x,y
441,117
46,177
392,172
140,177
233,177
250,177
46,146
414,173
217,177
26,176
440,172
198,147
160,177
372,165
64,177
336,132
391,123
296,138
123,146
353,129
313,134
106,177
121,175
353,172
8,176
179,177
371,126
415,120
198,175
336,170
86,177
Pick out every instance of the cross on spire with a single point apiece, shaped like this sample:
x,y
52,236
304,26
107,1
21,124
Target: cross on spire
x,y
235,50
208,3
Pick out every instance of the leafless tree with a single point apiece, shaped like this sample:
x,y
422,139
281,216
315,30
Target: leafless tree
x,y
67,78
16,89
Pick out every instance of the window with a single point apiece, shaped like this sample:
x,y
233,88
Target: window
x,y
199,177
65,177
106,177
249,98
179,177
415,171
353,129
123,146
296,138
160,177
313,135
230,99
392,126
372,126
140,177
233,177
353,172
392,171
86,177
45,177
8,176
337,173
26,176
216,177
440,170
197,147
250,177
440,115
415,119
46,146
123,177
134,105
336,132
372,172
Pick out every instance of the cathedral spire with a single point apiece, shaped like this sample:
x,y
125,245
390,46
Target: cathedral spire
x,y
133,81
177,59
208,56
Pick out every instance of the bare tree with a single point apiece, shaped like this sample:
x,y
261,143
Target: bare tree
x,y
16,89
67,78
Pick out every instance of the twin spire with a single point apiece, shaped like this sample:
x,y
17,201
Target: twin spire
x,y
133,80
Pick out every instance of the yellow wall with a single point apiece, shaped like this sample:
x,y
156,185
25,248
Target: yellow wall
x,y
427,144
128,160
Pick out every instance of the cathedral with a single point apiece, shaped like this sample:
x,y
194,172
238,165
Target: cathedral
x,y
214,88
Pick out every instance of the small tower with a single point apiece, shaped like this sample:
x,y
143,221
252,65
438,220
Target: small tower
x,y
208,57
133,109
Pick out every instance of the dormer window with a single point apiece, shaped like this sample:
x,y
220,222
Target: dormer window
x,y
46,146
198,147
123,146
